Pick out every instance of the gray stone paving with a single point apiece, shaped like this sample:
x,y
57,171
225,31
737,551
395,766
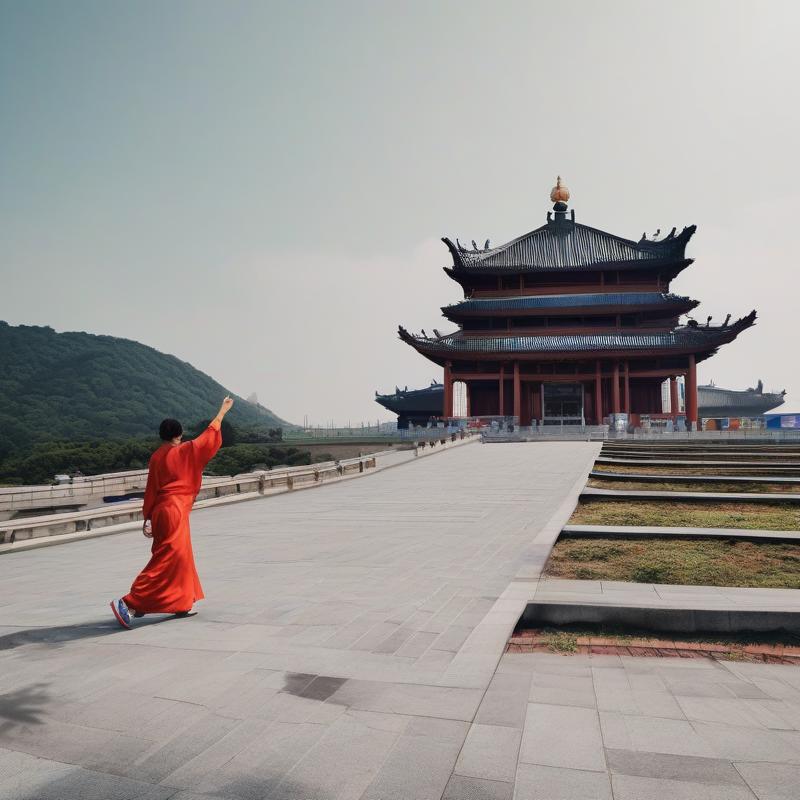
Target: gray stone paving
x,y
638,728
348,647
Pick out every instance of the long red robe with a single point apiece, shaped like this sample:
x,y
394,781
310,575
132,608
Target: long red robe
x,y
169,583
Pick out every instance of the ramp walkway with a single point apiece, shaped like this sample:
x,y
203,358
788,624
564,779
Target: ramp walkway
x,y
347,642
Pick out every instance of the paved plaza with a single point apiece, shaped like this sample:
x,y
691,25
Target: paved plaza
x,y
351,646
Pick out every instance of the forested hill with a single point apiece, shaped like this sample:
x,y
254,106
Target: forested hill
x,y
82,386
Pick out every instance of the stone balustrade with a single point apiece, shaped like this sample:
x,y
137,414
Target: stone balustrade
x,y
251,483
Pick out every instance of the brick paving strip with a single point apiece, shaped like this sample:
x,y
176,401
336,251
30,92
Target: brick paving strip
x,y
535,640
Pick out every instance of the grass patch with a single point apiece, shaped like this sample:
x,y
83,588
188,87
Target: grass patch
x,y
680,486
625,635
560,641
697,562
669,469
773,517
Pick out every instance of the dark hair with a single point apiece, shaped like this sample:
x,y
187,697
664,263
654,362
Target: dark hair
x,y
169,429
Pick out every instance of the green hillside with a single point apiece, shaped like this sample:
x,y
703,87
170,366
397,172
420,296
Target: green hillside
x,y
82,386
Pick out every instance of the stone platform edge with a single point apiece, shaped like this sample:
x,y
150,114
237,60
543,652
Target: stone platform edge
x,y
664,619
656,532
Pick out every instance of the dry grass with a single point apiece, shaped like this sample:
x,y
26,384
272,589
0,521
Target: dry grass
x,y
681,486
626,634
670,469
773,517
704,562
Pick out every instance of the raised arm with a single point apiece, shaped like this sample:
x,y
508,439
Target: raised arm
x,y
226,406
205,446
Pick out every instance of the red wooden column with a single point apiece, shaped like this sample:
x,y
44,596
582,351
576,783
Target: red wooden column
x,y
517,391
502,402
615,409
673,396
598,394
627,395
691,391
447,410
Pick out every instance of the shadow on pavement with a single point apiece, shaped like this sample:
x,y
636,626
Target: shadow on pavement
x,y
59,634
23,706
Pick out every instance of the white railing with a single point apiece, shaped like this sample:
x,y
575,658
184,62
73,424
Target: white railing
x,y
251,483
247,485
79,492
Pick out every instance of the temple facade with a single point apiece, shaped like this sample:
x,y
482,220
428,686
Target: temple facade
x,y
569,324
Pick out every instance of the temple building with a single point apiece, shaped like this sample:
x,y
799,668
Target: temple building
x,y
569,324
420,406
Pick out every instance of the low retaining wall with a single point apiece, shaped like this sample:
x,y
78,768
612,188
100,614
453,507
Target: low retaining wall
x,y
675,620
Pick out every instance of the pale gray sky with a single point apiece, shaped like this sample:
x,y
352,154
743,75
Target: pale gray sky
x,y
259,188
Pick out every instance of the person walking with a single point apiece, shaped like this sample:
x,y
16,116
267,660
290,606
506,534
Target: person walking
x,y
169,584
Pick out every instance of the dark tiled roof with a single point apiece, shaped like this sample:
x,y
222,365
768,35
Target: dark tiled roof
x,y
727,402
569,301
683,338
569,245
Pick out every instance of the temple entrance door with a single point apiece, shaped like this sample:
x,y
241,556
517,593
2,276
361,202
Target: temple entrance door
x,y
563,404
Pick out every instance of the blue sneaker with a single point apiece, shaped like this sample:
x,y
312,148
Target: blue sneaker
x,y
122,613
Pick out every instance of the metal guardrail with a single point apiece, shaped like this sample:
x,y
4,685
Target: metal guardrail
x,y
541,433
340,435
78,493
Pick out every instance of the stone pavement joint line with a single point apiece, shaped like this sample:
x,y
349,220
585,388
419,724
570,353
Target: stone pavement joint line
x,y
645,728
348,648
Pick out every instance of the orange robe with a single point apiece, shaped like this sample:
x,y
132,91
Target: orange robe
x,y
169,583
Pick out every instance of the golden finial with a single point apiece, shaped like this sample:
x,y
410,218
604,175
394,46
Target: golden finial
x,y
559,193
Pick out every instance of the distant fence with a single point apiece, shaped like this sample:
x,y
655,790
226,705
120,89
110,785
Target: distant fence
x,y
366,436
79,492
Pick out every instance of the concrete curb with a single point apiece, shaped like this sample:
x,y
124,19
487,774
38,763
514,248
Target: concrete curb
x,y
687,462
657,532
599,495
648,477
685,620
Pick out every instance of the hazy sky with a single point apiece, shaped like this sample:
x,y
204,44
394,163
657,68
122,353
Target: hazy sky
x,y
260,188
